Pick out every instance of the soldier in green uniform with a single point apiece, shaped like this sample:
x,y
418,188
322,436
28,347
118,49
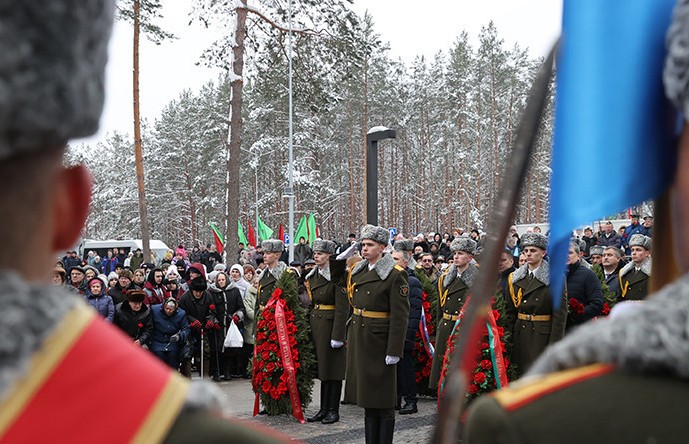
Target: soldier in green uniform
x,y
529,305
378,293
625,378
272,250
453,289
329,310
635,275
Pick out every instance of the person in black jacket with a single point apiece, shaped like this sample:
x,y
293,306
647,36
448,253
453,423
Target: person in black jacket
x,y
584,287
229,307
406,376
134,318
123,285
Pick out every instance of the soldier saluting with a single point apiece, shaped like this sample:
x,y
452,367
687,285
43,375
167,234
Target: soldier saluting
x,y
329,310
378,292
453,289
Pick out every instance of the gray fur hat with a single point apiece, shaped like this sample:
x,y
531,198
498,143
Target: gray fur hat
x,y
465,244
639,240
597,250
533,240
404,245
375,233
675,77
274,245
324,246
52,63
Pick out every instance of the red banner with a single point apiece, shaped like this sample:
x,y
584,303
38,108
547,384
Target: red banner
x,y
286,356
499,370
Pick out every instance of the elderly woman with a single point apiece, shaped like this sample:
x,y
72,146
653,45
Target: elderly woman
x,y
229,307
170,332
95,296
134,318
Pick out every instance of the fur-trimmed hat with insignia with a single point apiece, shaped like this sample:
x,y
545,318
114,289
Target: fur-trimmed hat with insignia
x,y
375,233
533,240
640,240
465,244
403,245
324,246
273,245
52,66
596,250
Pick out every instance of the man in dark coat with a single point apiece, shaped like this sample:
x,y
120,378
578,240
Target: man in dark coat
x,y
635,275
329,310
584,287
612,264
609,237
453,289
202,317
378,292
406,375
124,284
536,323
134,318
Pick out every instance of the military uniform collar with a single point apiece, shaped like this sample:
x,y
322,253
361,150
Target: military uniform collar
x,y
467,275
278,270
324,272
542,273
645,267
383,267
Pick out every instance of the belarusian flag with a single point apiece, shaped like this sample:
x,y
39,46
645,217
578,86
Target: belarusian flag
x,y
219,240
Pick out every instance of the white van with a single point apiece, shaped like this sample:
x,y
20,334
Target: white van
x,y
101,247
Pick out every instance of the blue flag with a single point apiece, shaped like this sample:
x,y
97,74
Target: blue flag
x,y
614,129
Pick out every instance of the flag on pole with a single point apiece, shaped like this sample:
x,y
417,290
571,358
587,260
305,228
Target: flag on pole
x,y
302,231
241,235
219,239
264,231
281,233
311,226
252,234
610,105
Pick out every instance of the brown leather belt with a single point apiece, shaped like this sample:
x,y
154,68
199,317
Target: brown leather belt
x,y
450,317
371,314
533,318
324,307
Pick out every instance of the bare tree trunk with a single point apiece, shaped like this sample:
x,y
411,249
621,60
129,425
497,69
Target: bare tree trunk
x,y
138,150
234,146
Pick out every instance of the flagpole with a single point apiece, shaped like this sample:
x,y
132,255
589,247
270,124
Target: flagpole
x,y
290,194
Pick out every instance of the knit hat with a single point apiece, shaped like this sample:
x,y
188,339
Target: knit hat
x,y
324,246
639,240
239,268
52,64
404,245
273,245
465,244
95,279
136,295
112,276
375,233
533,240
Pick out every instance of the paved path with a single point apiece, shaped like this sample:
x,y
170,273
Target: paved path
x,y
415,428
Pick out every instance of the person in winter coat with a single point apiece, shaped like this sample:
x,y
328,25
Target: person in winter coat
x,y
109,263
237,279
584,287
172,289
406,375
101,302
134,318
137,259
203,321
302,251
155,292
249,324
170,332
123,285
229,307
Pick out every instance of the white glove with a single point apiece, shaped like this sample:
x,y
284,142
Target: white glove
x,y
391,360
336,344
349,252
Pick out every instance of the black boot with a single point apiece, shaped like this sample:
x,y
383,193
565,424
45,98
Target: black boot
x,y
372,429
387,430
333,402
409,408
324,404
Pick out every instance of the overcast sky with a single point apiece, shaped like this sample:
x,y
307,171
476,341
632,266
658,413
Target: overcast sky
x,y
412,28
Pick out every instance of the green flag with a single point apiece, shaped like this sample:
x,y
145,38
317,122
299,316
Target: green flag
x,y
264,231
302,231
311,225
240,234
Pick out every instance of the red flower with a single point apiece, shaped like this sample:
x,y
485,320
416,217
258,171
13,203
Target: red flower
x,y
266,386
473,389
277,292
212,306
501,331
486,364
265,355
480,378
485,345
140,325
270,367
606,309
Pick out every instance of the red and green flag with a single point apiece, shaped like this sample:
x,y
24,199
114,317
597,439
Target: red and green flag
x,y
219,239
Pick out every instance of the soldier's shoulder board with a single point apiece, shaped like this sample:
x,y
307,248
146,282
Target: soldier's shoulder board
x,y
398,268
529,390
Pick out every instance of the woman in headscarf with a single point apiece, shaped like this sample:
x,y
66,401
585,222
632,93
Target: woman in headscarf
x,y
229,308
170,332
95,296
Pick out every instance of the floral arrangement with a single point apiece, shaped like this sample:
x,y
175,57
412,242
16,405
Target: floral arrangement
x,y
493,369
280,365
574,309
423,360
609,297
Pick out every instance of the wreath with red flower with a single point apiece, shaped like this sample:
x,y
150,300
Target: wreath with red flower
x,y
484,374
270,379
423,361
609,297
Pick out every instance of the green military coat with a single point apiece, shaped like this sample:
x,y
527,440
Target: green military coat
x,y
634,284
370,382
453,293
268,283
325,289
531,297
